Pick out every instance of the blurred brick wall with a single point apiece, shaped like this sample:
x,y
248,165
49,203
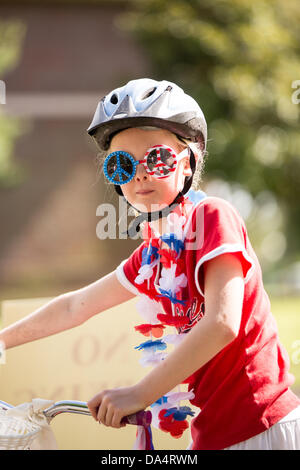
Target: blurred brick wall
x,y
48,241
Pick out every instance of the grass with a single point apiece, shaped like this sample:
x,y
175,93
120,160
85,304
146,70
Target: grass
x,y
286,310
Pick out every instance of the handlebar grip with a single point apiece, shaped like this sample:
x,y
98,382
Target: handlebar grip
x,y
141,418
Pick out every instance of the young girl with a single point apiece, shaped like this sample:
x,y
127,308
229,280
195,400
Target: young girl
x,y
195,273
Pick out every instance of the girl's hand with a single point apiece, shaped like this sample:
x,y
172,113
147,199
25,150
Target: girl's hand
x,y
110,406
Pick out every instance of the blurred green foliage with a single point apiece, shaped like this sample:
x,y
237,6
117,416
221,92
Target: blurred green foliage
x,y
238,59
11,38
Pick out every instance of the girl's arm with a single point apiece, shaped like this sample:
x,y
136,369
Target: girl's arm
x,y
224,294
66,311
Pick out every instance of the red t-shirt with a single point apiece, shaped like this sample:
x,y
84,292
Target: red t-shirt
x,y
244,389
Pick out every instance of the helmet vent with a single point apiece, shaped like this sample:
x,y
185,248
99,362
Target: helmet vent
x,y
114,99
149,93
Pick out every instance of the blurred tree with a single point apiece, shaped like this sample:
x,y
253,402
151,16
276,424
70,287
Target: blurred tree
x,y
239,60
11,37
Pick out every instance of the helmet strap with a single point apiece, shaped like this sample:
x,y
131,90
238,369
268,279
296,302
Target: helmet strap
x,y
134,227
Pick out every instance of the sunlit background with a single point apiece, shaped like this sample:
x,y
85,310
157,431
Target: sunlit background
x,y
238,59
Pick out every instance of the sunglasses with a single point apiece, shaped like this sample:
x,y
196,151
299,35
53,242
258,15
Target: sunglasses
x,y
159,161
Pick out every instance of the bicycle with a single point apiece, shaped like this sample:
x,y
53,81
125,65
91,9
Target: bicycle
x,y
19,432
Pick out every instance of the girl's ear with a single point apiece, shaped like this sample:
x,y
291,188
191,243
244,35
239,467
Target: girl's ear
x,y
186,167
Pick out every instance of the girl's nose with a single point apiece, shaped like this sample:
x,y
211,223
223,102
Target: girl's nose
x,y
141,173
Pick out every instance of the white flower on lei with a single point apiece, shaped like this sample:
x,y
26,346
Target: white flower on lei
x,y
148,309
174,339
145,272
175,397
150,358
175,224
170,282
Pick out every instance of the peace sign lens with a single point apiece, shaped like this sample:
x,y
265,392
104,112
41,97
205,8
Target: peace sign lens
x,y
119,167
160,161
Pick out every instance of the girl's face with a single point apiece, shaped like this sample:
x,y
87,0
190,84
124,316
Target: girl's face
x,y
146,192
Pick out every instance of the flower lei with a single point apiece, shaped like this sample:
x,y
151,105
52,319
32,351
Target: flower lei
x,y
167,413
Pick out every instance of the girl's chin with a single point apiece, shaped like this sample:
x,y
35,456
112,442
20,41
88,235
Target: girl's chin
x,y
149,207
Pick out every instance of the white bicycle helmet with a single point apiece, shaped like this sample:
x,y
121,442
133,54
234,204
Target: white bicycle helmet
x,y
145,102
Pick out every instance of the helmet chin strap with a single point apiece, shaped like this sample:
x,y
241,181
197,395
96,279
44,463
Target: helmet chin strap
x,y
134,227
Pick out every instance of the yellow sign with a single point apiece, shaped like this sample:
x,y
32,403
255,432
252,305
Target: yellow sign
x,y
75,365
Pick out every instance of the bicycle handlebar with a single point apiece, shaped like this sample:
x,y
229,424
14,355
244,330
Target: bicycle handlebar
x,y
141,418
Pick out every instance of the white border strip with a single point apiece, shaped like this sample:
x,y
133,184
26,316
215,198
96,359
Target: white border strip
x,y
220,250
123,279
